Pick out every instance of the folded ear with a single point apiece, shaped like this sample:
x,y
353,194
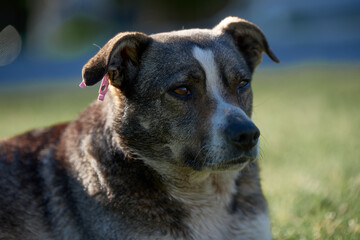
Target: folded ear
x,y
119,58
249,39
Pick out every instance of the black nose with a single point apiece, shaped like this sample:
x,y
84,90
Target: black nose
x,y
243,134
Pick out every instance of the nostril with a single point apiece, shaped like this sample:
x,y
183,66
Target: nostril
x,y
242,138
246,140
246,137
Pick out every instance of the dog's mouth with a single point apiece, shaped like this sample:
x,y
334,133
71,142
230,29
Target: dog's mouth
x,y
240,160
236,163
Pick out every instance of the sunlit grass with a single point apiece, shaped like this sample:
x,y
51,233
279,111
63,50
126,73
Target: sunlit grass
x,y
309,119
310,123
41,104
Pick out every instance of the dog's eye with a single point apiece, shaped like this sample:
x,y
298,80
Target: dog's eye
x,y
243,84
182,91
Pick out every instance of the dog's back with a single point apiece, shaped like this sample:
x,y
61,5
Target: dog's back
x,y
22,187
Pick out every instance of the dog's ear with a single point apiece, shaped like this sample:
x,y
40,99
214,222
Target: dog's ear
x,y
119,58
249,39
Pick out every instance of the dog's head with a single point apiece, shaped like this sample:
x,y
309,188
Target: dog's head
x,y
184,97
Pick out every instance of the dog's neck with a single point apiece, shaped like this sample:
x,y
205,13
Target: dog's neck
x,y
197,188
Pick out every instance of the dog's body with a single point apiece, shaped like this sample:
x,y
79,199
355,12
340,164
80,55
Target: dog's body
x,y
167,155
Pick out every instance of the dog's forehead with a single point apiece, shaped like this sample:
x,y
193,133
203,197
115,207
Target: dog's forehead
x,y
178,44
185,40
195,35
173,52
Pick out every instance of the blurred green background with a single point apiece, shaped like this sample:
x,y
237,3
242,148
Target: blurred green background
x,y
307,108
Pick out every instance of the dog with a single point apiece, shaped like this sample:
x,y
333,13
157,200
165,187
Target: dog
x,y
168,154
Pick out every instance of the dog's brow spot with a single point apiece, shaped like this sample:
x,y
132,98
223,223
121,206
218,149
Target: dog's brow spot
x,y
207,62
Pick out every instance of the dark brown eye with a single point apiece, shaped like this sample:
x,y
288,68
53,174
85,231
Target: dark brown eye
x,y
182,91
244,84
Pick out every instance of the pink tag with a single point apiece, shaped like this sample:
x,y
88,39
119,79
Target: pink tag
x,y
82,84
104,87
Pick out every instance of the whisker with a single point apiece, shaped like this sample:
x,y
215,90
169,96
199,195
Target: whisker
x,y
198,154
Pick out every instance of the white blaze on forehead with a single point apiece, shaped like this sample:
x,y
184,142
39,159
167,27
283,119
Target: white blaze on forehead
x,y
207,61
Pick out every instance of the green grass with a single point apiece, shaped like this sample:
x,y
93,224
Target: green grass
x,y
310,123
41,104
309,117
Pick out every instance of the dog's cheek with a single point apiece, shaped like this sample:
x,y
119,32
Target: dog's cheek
x,y
193,158
188,142
170,123
249,104
155,130
181,137
189,138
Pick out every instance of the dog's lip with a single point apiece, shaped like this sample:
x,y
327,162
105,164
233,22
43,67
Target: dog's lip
x,y
239,160
235,163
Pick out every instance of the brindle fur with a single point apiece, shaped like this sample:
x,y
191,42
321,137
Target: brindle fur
x,y
140,164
